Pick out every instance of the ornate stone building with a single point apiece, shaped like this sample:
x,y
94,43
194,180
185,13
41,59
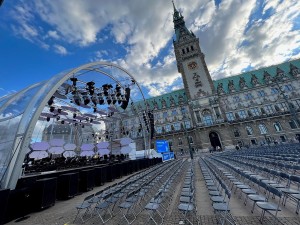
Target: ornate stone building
x,y
252,108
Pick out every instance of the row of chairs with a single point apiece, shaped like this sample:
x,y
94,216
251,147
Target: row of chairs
x,y
219,192
239,179
104,201
158,205
288,184
187,205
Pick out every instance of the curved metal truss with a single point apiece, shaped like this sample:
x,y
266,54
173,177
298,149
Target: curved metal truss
x,y
90,95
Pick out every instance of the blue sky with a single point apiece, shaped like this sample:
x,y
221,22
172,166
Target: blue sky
x,y
40,38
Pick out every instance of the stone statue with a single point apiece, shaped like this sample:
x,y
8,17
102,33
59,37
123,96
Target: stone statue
x,y
231,86
242,83
220,89
254,80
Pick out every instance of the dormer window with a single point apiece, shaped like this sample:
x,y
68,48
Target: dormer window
x,y
187,50
192,48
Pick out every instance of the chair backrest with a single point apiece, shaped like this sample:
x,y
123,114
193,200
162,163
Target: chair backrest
x,y
274,191
228,193
89,197
295,178
284,175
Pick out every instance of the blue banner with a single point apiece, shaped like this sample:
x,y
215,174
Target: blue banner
x,y
162,146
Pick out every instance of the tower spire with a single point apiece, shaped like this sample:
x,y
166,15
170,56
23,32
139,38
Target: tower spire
x,y
174,6
179,24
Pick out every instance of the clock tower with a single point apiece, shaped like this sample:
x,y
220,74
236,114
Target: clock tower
x,y
190,60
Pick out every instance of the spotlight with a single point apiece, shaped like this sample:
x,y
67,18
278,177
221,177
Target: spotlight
x,y
50,102
91,87
59,110
58,118
101,101
74,80
52,108
86,100
114,99
127,97
62,122
108,100
48,119
74,115
77,101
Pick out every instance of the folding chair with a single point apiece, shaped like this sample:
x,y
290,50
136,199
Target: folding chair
x,y
128,205
269,206
222,209
103,207
84,206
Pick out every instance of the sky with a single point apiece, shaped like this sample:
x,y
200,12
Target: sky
x,y
41,38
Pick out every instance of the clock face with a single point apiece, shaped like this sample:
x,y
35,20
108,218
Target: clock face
x,y
192,65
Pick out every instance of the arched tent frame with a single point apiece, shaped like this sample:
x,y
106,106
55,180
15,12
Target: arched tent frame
x,y
16,150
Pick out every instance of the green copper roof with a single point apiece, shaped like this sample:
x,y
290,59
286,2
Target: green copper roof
x,y
272,70
175,97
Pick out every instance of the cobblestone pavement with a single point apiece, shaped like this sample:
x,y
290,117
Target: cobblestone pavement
x,y
63,212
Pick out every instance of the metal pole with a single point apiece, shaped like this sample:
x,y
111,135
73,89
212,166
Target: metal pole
x,y
188,140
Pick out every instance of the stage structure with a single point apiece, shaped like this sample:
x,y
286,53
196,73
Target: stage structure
x,y
82,104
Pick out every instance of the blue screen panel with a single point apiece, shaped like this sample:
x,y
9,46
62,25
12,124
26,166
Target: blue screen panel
x,y
166,156
162,146
171,155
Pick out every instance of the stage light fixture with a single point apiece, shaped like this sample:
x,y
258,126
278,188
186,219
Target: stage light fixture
x,y
74,81
52,108
51,100
62,122
74,115
86,100
58,118
95,109
127,97
48,119
91,87
59,110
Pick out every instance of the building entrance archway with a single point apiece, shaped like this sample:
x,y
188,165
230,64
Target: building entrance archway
x,y
215,140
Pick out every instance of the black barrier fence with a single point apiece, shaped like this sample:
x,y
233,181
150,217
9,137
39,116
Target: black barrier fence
x,y
36,192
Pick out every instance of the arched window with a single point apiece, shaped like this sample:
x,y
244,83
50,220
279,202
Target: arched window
x,y
293,124
277,126
249,130
262,128
236,133
207,118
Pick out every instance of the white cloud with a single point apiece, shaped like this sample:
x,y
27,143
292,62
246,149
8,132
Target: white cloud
x,y
145,29
53,34
60,50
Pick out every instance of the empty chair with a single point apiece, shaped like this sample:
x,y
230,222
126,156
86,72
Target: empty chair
x,y
222,209
102,209
85,206
269,206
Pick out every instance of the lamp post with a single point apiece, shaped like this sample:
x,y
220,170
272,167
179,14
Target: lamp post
x,y
186,134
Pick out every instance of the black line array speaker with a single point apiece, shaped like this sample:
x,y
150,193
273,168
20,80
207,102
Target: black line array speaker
x,y
4,195
45,193
67,185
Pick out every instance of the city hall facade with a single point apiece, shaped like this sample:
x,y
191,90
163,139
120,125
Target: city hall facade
x,y
258,107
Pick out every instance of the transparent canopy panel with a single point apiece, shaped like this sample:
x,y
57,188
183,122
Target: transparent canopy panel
x,y
73,107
